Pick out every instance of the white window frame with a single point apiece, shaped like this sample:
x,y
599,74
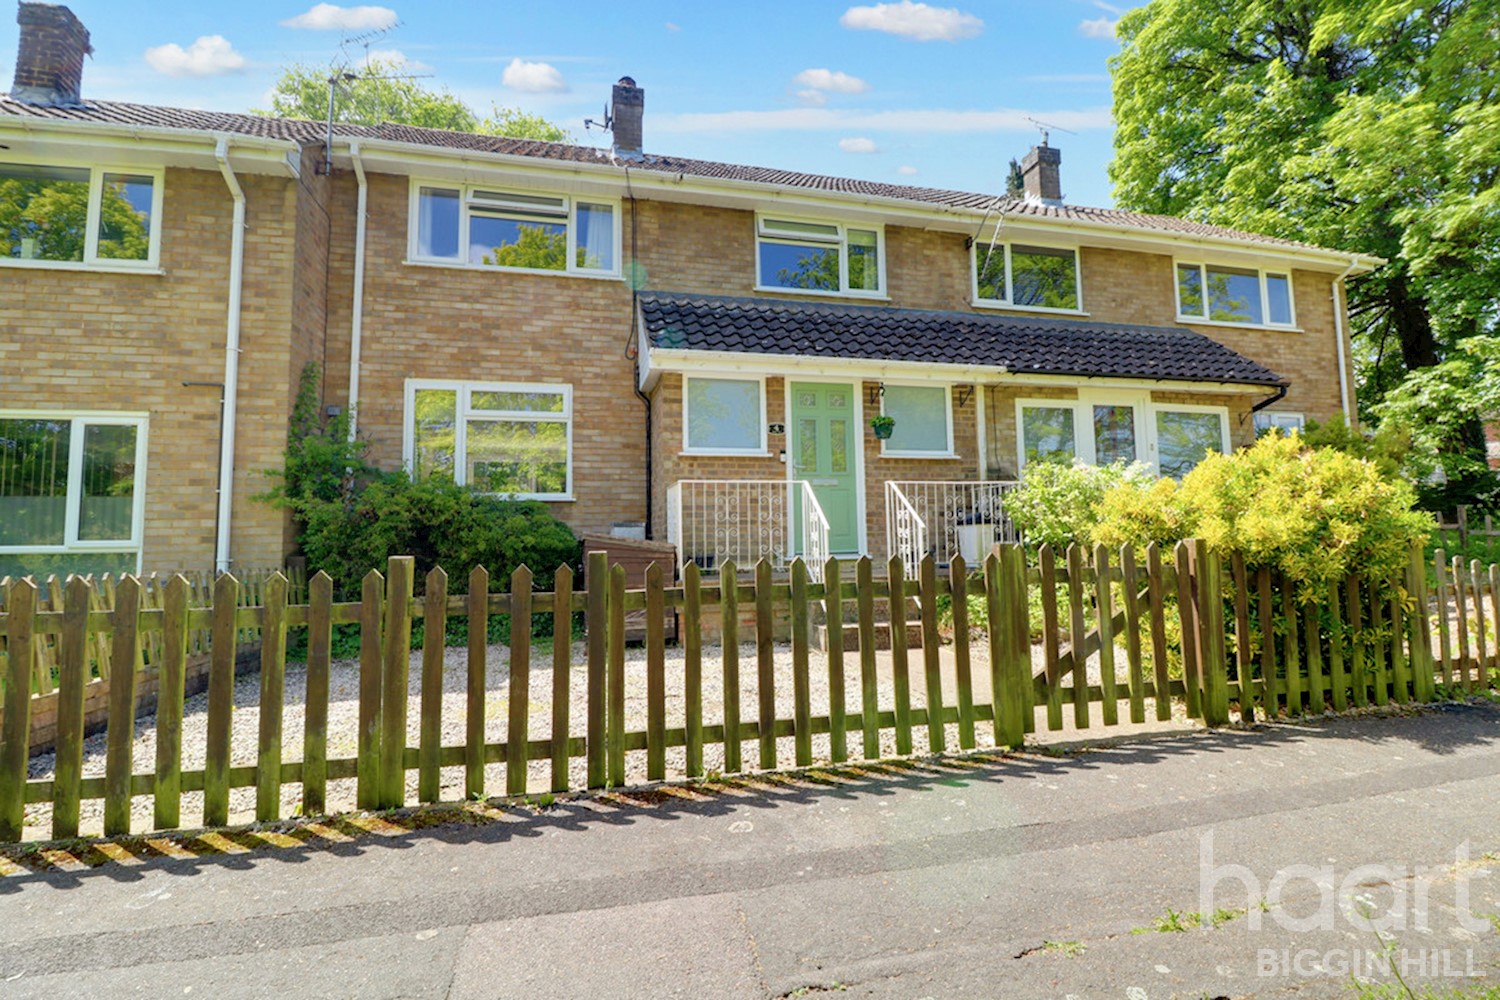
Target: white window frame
x,y
1147,452
982,303
464,411
762,235
762,449
465,192
71,543
947,451
91,259
1271,417
1202,318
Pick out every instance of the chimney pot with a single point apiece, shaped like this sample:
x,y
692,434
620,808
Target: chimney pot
x,y
626,112
1041,173
49,60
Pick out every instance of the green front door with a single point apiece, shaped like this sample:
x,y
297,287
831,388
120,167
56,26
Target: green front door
x,y
823,435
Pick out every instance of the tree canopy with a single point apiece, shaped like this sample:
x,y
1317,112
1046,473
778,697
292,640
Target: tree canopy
x,y
382,94
1363,125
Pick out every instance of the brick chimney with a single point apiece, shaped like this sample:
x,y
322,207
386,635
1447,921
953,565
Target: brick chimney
x,y
49,63
626,112
1041,174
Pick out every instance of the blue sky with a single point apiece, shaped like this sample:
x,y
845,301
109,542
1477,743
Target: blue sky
x,y
904,92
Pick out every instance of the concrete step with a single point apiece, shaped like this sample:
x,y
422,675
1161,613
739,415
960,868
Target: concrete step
x,y
882,636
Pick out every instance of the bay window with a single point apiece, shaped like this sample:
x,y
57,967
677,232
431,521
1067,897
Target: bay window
x,y
511,439
1025,277
71,493
53,215
819,257
487,227
1220,294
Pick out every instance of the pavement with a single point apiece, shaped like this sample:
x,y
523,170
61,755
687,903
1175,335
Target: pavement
x,y
1041,874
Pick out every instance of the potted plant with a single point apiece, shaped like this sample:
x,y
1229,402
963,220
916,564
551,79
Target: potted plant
x,y
883,425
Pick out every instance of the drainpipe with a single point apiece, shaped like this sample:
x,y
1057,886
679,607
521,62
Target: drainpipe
x,y
1338,329
981,430
231,359
357,310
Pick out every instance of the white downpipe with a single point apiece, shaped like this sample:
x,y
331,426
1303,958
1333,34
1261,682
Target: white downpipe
x,y
981,432
1338,329
231,358
357,309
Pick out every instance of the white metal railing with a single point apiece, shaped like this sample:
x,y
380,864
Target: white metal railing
x,y
712,521
947,518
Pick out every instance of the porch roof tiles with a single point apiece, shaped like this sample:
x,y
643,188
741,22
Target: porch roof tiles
x,y
1020,345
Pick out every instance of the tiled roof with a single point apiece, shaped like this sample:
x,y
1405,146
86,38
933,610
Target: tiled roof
x,y
1020,345
297,130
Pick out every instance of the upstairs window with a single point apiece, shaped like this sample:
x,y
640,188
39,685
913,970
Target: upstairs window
x,y
818,257
1233,295
486,227
1026,277
89,216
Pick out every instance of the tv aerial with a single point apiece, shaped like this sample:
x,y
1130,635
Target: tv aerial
x,y
1047,127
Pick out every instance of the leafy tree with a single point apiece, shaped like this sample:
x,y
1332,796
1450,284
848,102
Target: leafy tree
x,y
537,246
47,219
1015,181
381,94
1366,125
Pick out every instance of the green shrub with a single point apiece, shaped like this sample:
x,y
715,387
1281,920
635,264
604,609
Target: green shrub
x,y
1058,504
438,523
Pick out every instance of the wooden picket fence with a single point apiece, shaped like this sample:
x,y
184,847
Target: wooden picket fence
x,y
1187,626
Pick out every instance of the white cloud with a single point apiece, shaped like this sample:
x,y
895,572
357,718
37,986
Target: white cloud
x,y
916,120
814,97
672,26
210,55
913,20
1099,27
394,58
907,171
830,80
533,78
858,145
331,17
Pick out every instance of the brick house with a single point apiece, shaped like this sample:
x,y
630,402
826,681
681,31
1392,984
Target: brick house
x,y
628,337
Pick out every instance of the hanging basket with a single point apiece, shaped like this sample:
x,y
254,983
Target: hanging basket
x,y
882,426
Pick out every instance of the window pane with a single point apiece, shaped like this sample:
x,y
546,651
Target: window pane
x,y
517,402
41,565
921,415
1182,439
1285,422
34,481
596,237
1190,289
513,243
437,223
106,502
434,428
800,228
1114,434
1047,433
125,217
989,269
790,265
838,446
506,456
864,261
1234,295
807,447
723,413
44,212
1042,277
1279,299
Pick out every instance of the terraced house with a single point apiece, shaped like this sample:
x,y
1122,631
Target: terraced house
x,y
630,337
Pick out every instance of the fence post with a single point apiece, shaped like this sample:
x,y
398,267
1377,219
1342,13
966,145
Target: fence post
x,y
765,665
1211,646
222,649
400,581
475,680
1187,599
615,726
367,766
15,735
120,735
518,688
596,617
272,696
434,634
1013,643
315,725
729,645
1421,636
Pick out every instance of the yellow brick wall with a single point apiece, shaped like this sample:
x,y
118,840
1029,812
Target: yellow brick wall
x,y
428,322
87,340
